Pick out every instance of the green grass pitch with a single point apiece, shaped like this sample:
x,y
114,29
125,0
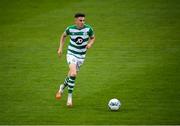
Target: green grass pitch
x,y
135,58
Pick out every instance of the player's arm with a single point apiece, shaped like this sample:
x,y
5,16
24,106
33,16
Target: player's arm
x,y
61,44
91,42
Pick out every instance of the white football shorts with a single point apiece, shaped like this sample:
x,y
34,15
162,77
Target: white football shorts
x,y
74,60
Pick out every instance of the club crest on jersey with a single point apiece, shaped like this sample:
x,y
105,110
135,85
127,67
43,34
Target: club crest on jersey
x,y
79,40
85,33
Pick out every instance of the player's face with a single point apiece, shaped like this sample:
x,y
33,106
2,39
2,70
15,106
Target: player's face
x,y
80,21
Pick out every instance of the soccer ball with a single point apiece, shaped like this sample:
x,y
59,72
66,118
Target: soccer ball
x,y
114,104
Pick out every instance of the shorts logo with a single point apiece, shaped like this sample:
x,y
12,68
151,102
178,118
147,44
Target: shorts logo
x,y
79,40
73,60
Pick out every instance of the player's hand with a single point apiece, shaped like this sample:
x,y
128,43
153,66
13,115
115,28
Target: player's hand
x,y
88,46
59,52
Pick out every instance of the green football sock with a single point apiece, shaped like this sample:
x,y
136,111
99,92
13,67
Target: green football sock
x,y
66,82
71,83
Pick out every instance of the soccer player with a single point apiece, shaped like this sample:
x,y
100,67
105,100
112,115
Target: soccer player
x,y
81,38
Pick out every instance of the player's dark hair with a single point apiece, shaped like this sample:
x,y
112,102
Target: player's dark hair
x,y
79,15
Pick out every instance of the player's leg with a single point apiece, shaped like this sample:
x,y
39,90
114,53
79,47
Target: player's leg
x,y
70,60
65,84
62,87
71,82
74,68
72,77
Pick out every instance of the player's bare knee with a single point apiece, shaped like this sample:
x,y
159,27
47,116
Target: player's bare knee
x,y
73,74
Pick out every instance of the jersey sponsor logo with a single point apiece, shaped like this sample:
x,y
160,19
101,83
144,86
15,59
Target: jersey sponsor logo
x,y
79,40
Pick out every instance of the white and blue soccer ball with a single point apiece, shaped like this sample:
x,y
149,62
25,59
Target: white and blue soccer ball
x,y
114,104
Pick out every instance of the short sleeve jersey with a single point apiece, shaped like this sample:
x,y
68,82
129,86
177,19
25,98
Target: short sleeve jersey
x,y
78,40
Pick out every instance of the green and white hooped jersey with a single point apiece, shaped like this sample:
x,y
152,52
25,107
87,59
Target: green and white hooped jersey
x,y
78,40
